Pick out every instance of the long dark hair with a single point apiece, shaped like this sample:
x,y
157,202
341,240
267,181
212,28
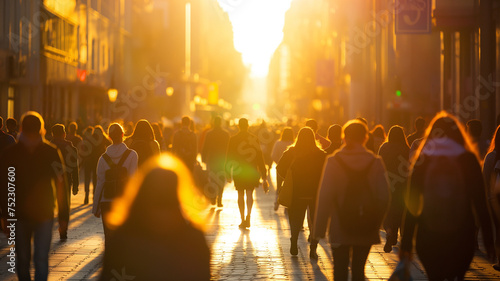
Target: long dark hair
x,y
397,135
287,134
305,142
143,131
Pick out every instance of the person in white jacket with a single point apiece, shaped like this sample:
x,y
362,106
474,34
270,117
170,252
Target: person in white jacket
x,y
102,204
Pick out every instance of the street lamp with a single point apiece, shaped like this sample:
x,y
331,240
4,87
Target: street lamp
x,y
170,91
112,94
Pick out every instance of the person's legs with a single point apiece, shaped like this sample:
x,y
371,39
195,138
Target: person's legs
x,y
220,191
341,262
105,209
87,174
24,232
359,256
249,193
311,211
94,178
296,214
42,240
241,205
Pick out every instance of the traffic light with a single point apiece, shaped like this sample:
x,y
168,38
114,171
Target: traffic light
x,y
398,93
397,86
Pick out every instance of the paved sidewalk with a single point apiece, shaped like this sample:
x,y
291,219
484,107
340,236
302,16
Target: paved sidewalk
x,y
259,253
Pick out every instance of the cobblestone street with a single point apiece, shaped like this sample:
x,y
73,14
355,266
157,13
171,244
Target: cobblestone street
x,y
258,253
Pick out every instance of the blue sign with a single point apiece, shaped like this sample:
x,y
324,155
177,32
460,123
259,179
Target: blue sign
x,y
413,16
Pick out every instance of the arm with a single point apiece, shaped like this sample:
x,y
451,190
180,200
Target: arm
x,y
61,192
284,163
326,197
101,172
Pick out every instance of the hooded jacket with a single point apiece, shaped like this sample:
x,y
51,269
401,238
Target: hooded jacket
x,y
115,152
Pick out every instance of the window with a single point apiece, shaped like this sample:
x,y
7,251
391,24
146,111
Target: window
x,y
10,103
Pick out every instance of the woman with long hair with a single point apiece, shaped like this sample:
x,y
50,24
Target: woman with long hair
x,y
335,138
446,188
395,152
379,137
286,139
491,163
305,160
157,227
143,141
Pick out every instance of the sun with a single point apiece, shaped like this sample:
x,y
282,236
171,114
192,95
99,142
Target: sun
x,y
258,30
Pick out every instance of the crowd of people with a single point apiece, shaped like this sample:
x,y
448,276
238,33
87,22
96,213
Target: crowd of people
x,y
432,190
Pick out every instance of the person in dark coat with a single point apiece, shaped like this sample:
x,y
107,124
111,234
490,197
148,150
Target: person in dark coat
x,y
87,152
72,136
305,159
5,139
143,141
172,245
11,125
245,164
335,138
442,201
419,131
395,153
70,162
184,143
28,167
213,154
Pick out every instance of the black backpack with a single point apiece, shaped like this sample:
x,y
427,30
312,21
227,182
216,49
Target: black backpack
x,y
358,212
115,177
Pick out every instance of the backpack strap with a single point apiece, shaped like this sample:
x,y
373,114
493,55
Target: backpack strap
x,y
108,160
124,157
347,168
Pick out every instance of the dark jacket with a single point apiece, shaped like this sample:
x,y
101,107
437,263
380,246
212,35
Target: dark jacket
x,y
145,149
184,146
5,140
395,158
214,149
244,160
70,161
306,171
34,173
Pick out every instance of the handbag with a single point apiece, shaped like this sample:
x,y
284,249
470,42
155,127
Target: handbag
x,y
286,190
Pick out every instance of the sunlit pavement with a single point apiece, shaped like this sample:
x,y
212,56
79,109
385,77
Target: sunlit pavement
x,y
258,253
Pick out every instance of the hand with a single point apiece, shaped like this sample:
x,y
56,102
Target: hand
x,y
75,190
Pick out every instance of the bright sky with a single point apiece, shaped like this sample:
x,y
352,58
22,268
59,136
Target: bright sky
x,y
258,30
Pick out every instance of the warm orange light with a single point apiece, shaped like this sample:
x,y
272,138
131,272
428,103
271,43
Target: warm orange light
x,y
112,94
170,91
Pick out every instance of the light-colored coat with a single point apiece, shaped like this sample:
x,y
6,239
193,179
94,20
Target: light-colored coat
x,y
332,187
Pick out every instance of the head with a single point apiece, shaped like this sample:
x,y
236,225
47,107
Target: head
x,y
72,128
185,121
287,134
98,130
217,122
58,131
11,124
243,124
335,133
145,202
355,132
311,123
306,141
143,131
32,124
363,120
88,132
378,132
397,135
420,124
474,128
115,132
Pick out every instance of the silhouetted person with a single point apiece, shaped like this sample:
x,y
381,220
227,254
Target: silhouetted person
x,y
155,236
72,135
11,125
70,162
266,139
279,147
370,142
120,155
159,136
395,153
184,144
305,161
419,126
143,141
445,193
335,138
245,165
379,137
87,153
6,140
491,168
37,187
354,195
474,129
213,154
311,123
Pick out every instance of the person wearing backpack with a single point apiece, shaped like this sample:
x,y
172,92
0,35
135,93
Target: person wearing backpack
x,y
354,195
113,169
491,173
445,192
304,160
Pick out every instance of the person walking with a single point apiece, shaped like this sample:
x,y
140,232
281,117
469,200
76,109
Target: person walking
x,y
143,141
111,184
245,165
11,125
311,123
213,154
87,152
6,140
304,160
72,136
445,192
419,131
354,195
335,138
161,212
28,168
395,153
184,144
70,163
286,139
